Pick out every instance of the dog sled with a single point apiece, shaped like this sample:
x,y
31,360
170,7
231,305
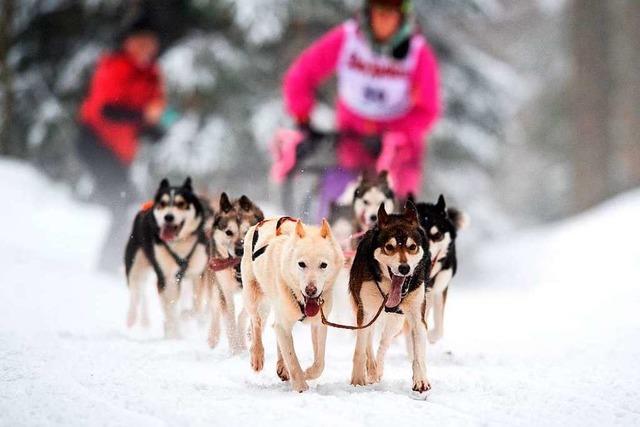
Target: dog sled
x,y
303,162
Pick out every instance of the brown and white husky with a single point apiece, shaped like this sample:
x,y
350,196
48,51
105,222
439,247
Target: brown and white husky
x,y
390,267
231,222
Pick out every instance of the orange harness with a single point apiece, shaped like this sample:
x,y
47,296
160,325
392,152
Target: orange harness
x,y
147,206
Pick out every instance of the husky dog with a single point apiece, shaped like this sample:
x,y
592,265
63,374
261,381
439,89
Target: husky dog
x,y
231,223
391,265
356,210
441,226
292,268
370,193
167,238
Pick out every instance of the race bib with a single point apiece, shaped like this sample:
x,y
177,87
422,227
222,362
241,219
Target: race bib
x,y
375,86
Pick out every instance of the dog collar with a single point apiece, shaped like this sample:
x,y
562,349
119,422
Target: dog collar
x,y
300,305
405,286
183,263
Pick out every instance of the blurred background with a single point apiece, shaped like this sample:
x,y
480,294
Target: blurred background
x,y
541,97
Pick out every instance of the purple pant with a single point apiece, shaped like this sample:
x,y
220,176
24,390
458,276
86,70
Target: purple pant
x,y
334,181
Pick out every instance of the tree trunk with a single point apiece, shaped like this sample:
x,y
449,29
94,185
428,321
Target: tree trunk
x,y
629,123
6,78
592,83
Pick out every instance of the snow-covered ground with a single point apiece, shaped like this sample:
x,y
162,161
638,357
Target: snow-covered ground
x,y
547,333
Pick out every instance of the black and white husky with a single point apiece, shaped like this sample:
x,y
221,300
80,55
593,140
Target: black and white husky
x,y
441,225
167,238
370,193
357,209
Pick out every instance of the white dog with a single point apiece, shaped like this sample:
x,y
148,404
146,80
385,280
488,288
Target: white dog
x,y
292,268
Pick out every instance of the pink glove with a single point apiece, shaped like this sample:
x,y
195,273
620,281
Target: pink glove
x,y
392,147
283,151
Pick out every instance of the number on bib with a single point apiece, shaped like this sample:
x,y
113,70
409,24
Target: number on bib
x,y
374,94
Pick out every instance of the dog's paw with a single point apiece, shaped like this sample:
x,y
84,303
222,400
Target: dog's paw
x,y
378,374
144,321
313,372
282,371
171,331
421,386
357,380
434,336
213,339
131,318
257,358
300,386
372,372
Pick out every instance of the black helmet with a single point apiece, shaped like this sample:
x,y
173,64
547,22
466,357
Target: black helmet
x,y
403,5
141,23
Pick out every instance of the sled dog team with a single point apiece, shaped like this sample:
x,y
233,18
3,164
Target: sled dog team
x,y
400,268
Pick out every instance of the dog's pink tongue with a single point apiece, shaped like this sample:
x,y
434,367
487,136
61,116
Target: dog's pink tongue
x,y
311,307
395,294
168,234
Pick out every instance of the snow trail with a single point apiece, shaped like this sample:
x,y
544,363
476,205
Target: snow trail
x,y
546,333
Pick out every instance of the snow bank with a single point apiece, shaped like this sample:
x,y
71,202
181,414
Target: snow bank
x,y
547,333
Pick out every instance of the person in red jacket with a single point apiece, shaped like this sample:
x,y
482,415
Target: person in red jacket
x,y
125,100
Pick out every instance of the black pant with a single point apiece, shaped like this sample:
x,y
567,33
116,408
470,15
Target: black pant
x,y
112,190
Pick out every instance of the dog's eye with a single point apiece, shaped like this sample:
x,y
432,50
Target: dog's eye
x,y
163,204
437,236
324,265
302,265
180,205
228,233
412,247
389,247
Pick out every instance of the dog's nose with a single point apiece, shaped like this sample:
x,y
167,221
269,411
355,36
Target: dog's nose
x,y
169,218
373,218
239,250
310,290
404,269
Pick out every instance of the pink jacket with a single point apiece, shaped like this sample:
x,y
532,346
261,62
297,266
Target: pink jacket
x,y
403,137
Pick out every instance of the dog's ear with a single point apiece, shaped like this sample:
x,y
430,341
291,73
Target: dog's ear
x,y
383,217
356,192
441,205
299,229
459,219
225,203
411,198
410,212
245,204
325,229
187,184
259,214
383,177
164,184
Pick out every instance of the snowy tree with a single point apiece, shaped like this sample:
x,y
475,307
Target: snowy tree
x,y
501,150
